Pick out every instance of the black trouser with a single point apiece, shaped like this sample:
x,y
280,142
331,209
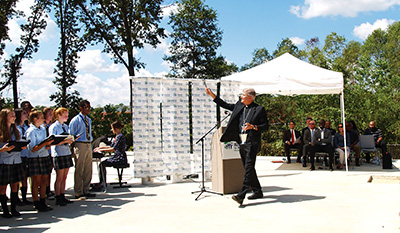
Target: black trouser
x,y
103,172
298,147
306,152
248,153
322,148
382,145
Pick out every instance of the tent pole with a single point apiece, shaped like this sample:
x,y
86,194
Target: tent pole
x,y
344,128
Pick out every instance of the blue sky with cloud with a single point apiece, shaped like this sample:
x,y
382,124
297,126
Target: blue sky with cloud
x,y
246,25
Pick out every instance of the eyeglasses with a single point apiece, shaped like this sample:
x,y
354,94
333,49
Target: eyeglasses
x,y
340,126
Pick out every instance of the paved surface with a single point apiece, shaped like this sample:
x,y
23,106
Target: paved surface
x,y
296,200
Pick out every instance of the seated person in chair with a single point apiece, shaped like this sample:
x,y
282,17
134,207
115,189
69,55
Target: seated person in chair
x,y
328,127
339,145
117,146
291,140
379,143
354,139
307,140
322,142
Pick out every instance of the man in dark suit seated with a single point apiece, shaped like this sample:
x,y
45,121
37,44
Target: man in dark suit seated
x,y
307,140
251,119
322,142
291,140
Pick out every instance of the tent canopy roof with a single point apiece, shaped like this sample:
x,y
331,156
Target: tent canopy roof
x,y
288,75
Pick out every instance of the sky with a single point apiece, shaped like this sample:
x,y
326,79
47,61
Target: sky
x,y
246,26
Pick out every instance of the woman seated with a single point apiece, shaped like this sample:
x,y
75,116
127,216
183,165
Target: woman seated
x,y
339,145
117,146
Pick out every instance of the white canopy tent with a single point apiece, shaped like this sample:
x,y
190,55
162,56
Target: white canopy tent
x,y
288,75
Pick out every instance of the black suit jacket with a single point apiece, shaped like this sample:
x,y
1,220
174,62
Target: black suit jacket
x,y
257,116
287,136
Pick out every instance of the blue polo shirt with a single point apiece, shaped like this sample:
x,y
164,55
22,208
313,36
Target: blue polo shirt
x,y
36,135
13,157
22,131
57,129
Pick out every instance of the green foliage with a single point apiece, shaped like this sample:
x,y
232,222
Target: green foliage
x,y
36,23
195,39
6,12
371,86
259,56
70,45
123,25
103,117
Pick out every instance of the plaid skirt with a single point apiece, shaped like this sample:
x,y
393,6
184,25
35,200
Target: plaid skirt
x,y
62,162
11,173
24,163
39,166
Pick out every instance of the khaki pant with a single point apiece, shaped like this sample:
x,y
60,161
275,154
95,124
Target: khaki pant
x,y
83,167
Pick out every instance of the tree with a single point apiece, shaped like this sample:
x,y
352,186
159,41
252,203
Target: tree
x,y
123,25
259,57
195,39
286,46
36,23
70,45
6,12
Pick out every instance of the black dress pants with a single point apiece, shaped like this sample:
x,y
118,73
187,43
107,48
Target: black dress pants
x,y
298,147
248,153
322,148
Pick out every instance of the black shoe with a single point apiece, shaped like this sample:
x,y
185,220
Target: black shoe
x,y
15,213
26,202
89,195
45,206
304,165
60,201
289,161
65,199
331,168
39,207
6,215
237,199
298,160
255,196
312,168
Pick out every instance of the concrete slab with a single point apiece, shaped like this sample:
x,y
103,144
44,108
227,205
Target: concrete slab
x,y
296,200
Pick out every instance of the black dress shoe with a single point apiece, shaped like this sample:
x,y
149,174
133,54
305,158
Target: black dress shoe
x,y
237,199
312,168
304,165
89,195
255,196
298,160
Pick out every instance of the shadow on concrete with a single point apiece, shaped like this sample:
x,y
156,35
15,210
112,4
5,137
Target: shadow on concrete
x,y
365,167
288,174
267,189
284,199
101,204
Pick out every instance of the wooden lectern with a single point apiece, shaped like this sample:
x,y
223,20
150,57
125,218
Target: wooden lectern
x,y
226,165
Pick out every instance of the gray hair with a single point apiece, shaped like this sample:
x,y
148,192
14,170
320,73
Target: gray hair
x,y
250,92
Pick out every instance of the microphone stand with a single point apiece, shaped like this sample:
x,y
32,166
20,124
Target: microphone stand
x,y
203,188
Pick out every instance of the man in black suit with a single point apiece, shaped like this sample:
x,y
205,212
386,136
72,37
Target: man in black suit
x,y
307,136
251,119
291,140
322,142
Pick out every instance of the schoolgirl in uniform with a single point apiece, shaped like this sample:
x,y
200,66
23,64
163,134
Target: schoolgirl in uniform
x,y
21,118
48,116
61,154
11,171
39,160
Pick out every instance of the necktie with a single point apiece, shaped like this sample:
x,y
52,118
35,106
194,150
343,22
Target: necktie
x,y
292,137
87,129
